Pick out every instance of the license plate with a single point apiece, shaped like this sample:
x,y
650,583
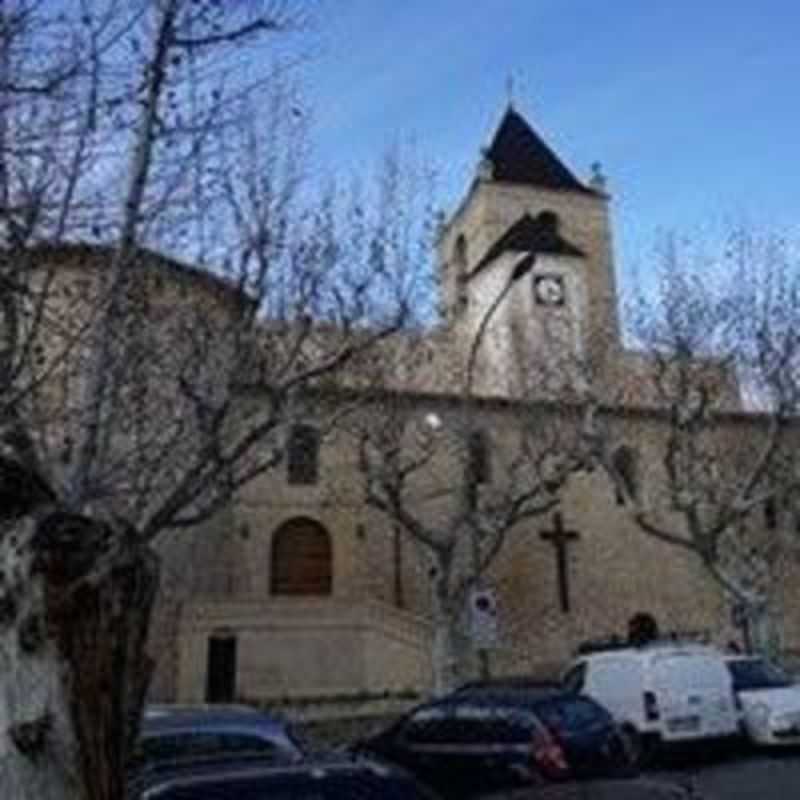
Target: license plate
x,y
683,723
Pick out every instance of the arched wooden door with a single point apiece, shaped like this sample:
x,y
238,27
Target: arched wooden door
x,y
301,559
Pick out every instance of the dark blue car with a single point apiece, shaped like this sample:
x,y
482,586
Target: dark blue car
x,y
345,780
190,739
487,738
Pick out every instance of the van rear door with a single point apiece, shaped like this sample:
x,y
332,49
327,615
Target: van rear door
x,y
616,682
694,695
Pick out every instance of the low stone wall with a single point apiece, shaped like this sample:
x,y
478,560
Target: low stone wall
x,y
338,721
307,648
333,733
353,705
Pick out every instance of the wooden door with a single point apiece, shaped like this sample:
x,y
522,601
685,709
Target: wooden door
x,y
301,559
221,670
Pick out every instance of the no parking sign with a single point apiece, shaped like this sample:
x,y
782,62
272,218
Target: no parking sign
x,y
483,620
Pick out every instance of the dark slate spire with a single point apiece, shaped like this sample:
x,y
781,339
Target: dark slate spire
x,y
519,155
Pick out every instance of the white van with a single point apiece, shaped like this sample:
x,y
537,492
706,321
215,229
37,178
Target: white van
x,y
661,692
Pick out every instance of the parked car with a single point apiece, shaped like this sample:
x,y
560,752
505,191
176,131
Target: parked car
x,y
345,780
636,789
179,737
660,693
769,699
482,739
510,682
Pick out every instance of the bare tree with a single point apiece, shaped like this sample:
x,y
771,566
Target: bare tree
x,y
137,393
717,475
461,475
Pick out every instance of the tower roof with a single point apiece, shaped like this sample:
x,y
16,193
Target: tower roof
x,y
519,155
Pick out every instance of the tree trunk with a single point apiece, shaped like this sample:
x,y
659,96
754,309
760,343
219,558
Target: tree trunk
x,y
446,655
763,630
76,596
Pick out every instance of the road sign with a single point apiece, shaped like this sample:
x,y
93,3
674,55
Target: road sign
x,y
483,621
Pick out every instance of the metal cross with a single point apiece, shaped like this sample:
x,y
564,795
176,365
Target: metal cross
x,y
561,538
510,88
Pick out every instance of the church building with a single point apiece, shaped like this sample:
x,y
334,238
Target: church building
x,y
303,593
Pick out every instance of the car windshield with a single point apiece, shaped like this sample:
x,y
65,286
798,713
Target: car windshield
x,y
572,714
754,673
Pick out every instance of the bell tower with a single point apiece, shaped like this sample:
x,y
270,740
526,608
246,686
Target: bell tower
x,y
526,261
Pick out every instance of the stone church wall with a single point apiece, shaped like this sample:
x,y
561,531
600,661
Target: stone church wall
x,y
371,633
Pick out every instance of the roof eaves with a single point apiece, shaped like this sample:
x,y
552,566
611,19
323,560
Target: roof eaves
x,y
529,235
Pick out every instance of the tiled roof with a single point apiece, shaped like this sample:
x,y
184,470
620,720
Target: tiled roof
x,y
85,254
529,234
519,155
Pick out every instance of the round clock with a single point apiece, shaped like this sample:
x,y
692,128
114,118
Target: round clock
x,y
549,290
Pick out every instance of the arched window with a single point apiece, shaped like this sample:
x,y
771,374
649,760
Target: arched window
x,y
301,559
548,220
626,466
302,457
460,253
480,458
460,260
771,514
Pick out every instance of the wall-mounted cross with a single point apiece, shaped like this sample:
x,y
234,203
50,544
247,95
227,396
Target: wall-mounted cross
x,y
560,538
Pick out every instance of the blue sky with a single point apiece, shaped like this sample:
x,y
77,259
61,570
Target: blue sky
x,y
691,107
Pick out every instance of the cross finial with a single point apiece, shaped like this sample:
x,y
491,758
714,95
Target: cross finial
x,y
510,89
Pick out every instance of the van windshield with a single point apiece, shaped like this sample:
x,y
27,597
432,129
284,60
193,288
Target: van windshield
x,y
755,673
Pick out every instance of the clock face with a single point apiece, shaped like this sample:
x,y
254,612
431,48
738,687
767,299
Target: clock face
x,y
549,290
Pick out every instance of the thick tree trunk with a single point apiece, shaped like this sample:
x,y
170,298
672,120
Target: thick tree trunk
x,y
763,630
446,655
76,597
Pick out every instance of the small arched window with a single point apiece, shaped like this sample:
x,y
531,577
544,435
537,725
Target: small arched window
x,y
460,253
626,467
302,562
548,220
302,458
461,260
479,457
771,514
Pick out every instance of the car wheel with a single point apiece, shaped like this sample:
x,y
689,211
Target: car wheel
x,y
633,744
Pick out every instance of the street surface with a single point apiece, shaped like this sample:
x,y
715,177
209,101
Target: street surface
x,y
744,776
